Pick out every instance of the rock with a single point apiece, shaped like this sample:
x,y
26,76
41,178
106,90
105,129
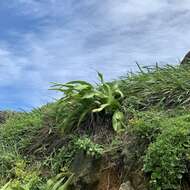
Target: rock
x,y
186,59
86,168
126,186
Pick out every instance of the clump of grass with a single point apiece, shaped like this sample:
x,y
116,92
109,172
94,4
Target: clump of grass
x,y
15,134
19,128
8,157
163,87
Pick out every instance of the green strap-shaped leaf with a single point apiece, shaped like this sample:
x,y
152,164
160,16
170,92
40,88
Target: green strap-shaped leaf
x,y
67,183
58,184
103,106
49,184
82,116
118,121
5,187
100,75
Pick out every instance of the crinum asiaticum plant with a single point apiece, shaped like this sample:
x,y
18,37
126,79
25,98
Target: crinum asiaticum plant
x,y
82,98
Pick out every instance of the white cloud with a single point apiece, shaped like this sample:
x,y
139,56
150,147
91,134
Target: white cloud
x,y
77,39
9,69
133,10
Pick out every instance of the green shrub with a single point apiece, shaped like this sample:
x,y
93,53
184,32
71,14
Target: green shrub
x,y
166,157
24,178
146,124
90,148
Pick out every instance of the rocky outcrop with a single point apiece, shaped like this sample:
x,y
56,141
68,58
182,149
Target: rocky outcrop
x,y
120,170
186,59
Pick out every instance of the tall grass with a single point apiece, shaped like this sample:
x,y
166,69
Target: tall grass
x,y
168,87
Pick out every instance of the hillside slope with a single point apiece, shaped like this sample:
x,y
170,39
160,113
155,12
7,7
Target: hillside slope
x,y
129,134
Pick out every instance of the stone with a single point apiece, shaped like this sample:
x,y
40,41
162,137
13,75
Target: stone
x,y
126,186
186,59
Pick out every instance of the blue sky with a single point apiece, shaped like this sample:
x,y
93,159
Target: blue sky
x,y
60,40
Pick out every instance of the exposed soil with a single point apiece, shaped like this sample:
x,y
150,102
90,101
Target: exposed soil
x,y
109,180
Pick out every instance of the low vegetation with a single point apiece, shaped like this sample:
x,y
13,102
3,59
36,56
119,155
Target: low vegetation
x,y
133,131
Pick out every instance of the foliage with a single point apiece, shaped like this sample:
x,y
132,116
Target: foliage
x,y
65,155
28,179
24,179
162,87
166,158
8,158
147,124
90,148
60,182
82,99
18,129
154,104
60,158
15,134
